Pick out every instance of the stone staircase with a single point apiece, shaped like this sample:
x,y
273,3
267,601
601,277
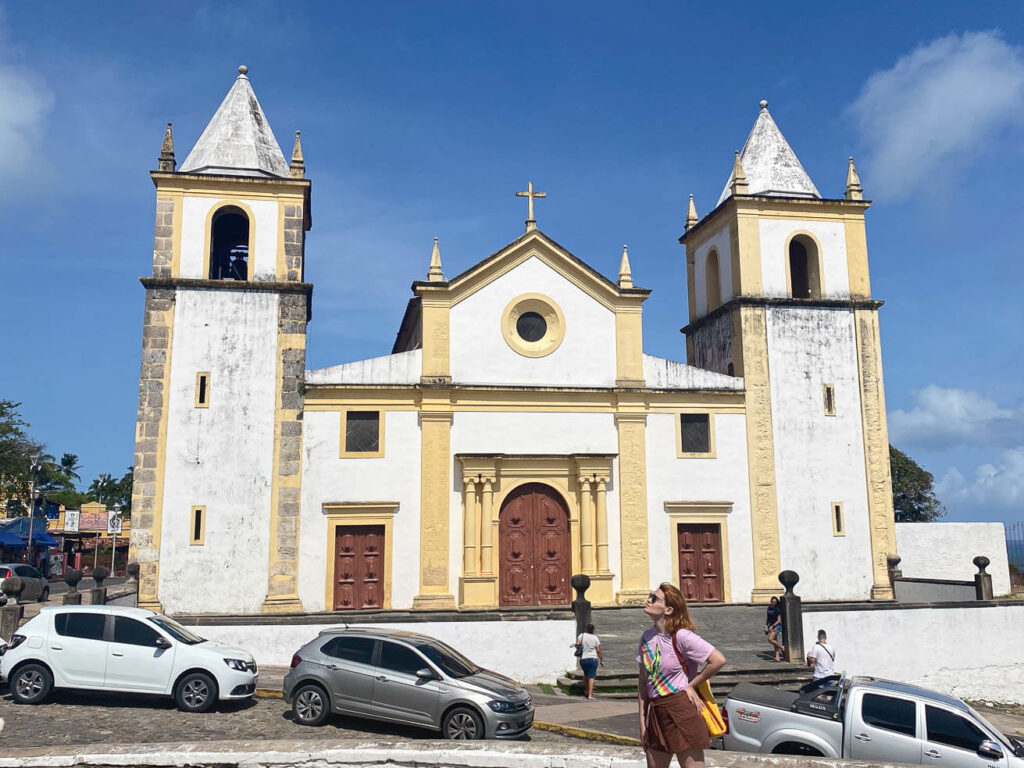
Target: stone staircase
x,y
621,683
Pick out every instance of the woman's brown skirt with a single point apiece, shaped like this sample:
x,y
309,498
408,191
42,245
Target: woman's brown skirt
x,y
674,724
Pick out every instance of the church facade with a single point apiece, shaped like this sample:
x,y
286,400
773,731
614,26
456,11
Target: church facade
x,y
517,433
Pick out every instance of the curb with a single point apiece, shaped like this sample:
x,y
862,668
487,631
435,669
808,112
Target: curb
x,y
587,733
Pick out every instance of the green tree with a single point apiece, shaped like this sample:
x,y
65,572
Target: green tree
x,y
913,490
69,466
109,491
15,452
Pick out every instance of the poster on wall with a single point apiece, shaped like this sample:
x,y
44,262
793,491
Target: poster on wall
x,y
56,564
71,520
114,522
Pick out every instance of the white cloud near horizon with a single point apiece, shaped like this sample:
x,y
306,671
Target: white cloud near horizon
x,y
944,418
997,487
937,109
25,102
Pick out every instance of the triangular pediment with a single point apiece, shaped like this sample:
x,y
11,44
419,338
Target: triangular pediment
x,y
533,244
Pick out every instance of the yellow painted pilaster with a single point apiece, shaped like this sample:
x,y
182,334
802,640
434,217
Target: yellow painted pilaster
x,y
764,513
857,257
436,351
469,527
629,345
435,489
487,524
748,254
602,524
631,422
876,451
587,558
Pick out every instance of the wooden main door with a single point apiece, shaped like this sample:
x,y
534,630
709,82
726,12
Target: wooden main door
x,y
358,562
533,539
700,562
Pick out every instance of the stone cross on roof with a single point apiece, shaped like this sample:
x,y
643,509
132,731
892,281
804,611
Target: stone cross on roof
x,y
531,223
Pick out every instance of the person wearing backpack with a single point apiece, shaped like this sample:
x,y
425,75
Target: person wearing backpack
x,y
822,657
670,657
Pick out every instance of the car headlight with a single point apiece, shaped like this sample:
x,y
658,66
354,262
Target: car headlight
x,y
16,640
499,705
239,665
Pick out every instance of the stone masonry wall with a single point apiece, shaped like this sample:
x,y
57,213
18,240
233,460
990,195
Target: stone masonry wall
x,y
294,242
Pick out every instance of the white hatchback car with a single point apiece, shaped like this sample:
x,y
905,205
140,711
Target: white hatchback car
x,y
131,650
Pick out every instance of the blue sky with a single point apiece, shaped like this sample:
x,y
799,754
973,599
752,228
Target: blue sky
x,y
421,120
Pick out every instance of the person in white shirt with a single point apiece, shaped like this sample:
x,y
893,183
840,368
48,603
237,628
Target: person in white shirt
x,y
822,657
592,656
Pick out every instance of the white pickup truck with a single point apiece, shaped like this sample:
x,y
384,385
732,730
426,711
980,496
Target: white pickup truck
x,y
862,718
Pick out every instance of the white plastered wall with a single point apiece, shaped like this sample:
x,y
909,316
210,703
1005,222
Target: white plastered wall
x,y
480,355
220,457
721,479
947,551
328,479
819,459
555,434
970,653
263,253
720,242
831,237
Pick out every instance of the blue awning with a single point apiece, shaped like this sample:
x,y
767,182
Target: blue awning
x,y
44,539
10,540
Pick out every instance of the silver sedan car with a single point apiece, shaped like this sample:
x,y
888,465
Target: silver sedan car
x,y
36,586
404,677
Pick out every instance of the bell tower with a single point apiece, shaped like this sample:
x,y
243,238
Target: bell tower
x,y
219,430
779,294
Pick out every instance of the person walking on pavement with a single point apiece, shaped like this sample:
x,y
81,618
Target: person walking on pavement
x,y
773,627
592,656
671,722
822,657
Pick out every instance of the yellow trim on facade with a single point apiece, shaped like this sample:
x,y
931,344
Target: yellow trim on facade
x,y
701,512
857,256
711,452
379,453
629,345
815,265
544,306
208,233
280,261
176,234
435,501
881,522
838,518
204,185
747,261
632,482
364,513
202,393
436,318
193,539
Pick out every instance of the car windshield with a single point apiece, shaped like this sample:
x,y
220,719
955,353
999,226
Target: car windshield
x,y
1007,742
175,630
451,662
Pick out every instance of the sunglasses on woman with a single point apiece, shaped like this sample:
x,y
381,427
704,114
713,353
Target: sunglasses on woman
x,y
653,598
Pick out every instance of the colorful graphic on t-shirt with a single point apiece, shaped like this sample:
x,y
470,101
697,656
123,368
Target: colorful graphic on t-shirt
x,y
652,663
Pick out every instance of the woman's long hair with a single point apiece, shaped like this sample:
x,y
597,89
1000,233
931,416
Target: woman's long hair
x,y
680,618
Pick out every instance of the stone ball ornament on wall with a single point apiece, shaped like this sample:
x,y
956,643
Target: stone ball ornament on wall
x,y
533,325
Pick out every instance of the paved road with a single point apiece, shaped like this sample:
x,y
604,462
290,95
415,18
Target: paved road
x,y
104,718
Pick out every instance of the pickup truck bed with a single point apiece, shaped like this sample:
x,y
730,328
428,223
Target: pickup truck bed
x,y
763,696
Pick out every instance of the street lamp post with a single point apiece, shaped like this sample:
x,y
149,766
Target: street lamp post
x,y
113,538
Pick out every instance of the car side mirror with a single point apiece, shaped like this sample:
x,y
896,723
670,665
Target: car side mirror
x,y
991,750
162,643
425,674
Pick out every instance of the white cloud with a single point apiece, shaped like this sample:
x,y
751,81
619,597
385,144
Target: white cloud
x,y
948,418
996,487
25,102
937,108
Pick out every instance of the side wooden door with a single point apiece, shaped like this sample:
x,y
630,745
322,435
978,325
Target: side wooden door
x,y
700,562
358,562
533,535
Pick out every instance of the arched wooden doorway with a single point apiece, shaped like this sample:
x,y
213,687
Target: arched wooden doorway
x,y
534,547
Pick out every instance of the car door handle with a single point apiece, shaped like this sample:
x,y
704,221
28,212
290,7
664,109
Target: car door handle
x,y
933,754
333,667
381,678
116,653
862,737
56,647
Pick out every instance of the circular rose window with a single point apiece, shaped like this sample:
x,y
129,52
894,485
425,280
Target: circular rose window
x,y
533,325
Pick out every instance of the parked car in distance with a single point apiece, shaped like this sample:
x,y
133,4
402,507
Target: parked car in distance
x,y
36,585
403,677
866,719
129,650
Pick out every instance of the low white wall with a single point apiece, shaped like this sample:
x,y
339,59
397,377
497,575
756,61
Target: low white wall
x,y
970,653
946,551
527,651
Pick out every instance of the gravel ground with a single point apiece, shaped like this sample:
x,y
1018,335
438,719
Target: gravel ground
x,y
70,718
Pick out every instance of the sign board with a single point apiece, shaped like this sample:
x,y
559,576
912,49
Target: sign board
x,y
71,519
113,522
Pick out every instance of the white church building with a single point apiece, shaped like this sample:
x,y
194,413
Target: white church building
x,y
516,434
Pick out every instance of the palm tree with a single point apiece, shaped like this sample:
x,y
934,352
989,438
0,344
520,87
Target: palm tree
x,y
69,467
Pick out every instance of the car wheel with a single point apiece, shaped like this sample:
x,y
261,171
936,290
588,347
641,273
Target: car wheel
x,y
31,684
196,692
45,596
310,705
462,723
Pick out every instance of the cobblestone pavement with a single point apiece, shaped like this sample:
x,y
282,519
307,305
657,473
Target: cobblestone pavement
x,y
71,718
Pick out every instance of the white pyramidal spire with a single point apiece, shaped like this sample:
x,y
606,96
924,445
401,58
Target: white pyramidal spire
x,y
238,140
769,163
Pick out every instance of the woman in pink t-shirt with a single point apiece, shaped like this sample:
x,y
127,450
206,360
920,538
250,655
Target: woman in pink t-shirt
x,y
670,709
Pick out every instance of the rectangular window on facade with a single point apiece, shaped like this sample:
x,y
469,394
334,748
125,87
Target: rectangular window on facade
x,y
362,433
829,394
203,390
695,434
197,526
838,523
